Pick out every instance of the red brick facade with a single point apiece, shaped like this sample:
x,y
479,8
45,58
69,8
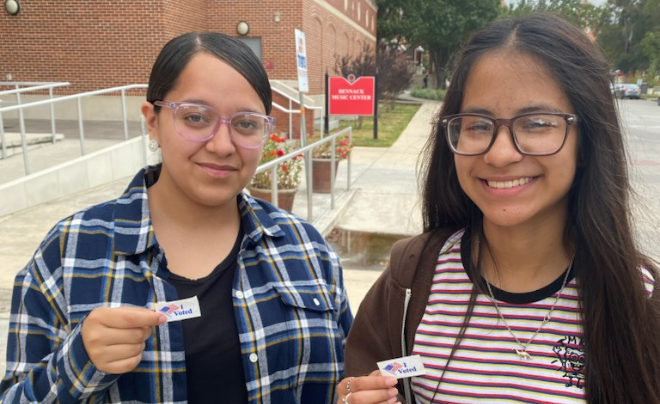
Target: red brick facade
x,y
99,44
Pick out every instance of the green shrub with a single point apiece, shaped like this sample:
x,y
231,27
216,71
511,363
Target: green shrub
x,y
428,93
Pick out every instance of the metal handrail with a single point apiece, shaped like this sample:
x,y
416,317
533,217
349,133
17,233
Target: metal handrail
x,y
32,86
307,150
290,111
78,98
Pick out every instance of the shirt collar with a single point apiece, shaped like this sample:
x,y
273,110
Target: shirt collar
x,y
133,230
256,218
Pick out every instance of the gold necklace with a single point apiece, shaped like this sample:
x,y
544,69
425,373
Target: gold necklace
x,y
522,353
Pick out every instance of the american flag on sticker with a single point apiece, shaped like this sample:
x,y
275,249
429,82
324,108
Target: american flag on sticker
x,y
393,367
169,309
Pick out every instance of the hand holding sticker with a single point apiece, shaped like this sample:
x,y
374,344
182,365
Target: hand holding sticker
x,y
114,338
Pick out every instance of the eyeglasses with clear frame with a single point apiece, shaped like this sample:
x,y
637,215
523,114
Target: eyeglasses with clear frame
x,y
534,134
200,123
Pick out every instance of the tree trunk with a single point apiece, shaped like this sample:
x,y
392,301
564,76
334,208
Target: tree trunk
x,y
440,59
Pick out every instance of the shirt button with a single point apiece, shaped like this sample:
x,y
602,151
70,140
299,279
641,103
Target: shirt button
x,y
254,358
239,294
316,302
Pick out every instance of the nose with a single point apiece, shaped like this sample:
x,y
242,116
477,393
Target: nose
x,y
503,151
222,143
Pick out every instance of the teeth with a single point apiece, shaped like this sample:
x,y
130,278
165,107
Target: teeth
x,y
509,184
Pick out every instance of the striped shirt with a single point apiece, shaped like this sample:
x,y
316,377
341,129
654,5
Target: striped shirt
x,y
485,368
289,301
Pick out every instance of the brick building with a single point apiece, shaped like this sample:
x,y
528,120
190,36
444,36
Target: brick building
x,y
97,44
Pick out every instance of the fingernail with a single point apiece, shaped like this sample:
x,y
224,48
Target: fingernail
x,y
390,381
392,392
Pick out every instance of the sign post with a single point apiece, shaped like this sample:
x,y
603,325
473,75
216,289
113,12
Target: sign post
x,y
303,87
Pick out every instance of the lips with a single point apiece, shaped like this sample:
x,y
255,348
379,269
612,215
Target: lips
x,y
509,184
216,170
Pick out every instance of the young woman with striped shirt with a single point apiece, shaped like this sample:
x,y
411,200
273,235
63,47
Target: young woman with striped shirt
x,y
527,285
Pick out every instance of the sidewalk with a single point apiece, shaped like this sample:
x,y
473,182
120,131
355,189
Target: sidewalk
x,y
383,199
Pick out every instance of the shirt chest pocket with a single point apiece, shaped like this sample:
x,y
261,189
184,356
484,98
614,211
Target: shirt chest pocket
x,y
312,322
312,301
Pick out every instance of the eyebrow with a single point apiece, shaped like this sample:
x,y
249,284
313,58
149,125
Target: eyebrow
x,y
205,104
531,108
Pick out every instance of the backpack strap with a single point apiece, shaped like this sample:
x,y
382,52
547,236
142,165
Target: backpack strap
x,y
412,263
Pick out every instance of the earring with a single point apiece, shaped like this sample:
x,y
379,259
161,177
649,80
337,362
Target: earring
x,y
153,145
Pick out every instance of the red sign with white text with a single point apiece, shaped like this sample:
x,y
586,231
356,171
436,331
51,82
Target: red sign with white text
x,y
346,98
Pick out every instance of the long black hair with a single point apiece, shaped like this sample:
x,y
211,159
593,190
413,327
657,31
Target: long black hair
x,y
176,54
621,324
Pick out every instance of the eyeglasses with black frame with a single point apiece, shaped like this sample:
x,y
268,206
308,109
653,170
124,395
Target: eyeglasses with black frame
x,y
199,123
534,134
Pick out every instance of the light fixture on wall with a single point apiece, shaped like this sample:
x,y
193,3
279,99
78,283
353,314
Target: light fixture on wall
x,y
242,28
277,16
12,6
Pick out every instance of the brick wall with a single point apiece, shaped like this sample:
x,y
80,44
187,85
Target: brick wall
x,y
101,44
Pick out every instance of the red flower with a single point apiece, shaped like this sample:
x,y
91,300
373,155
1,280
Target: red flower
x,y
276,138
280,153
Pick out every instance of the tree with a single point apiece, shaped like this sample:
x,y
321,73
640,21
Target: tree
x,y
439,26
394,72
584,15
621,39
651,48
624,29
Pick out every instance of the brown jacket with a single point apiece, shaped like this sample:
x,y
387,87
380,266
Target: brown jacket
x,y
401,292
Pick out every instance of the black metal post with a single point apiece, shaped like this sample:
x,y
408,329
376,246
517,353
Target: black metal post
x,y
376,106
327,110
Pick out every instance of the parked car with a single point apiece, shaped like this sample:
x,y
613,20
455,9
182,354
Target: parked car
x,y
628,90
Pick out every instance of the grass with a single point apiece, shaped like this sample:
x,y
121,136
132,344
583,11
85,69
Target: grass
x,y
390,125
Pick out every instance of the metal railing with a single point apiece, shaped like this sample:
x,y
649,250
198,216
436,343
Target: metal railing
x,y
290,110
307,151
17,91
78,97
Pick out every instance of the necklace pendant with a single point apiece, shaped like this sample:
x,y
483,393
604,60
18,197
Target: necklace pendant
x,y
523,355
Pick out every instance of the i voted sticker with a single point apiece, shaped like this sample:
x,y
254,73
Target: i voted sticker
x,y
178,310
407,366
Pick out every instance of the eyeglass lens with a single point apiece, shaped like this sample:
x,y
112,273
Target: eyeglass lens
x,y
197,122
534,134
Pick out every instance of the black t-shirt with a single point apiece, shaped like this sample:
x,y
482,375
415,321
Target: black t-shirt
x,y
213,353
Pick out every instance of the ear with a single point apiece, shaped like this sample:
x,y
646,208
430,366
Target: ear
x,y
151,120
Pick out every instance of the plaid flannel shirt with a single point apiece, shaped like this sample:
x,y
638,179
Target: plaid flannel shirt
x,y
289,301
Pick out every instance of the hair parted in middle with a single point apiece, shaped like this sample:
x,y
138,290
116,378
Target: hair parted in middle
x,y
176,54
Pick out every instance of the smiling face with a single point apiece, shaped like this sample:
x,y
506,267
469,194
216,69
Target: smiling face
x,y
509,188
209,173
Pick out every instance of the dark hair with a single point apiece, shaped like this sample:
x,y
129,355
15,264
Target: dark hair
x,y
176,54
621,324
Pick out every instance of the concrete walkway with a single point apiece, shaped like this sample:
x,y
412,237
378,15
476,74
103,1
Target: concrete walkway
x,y
382,199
